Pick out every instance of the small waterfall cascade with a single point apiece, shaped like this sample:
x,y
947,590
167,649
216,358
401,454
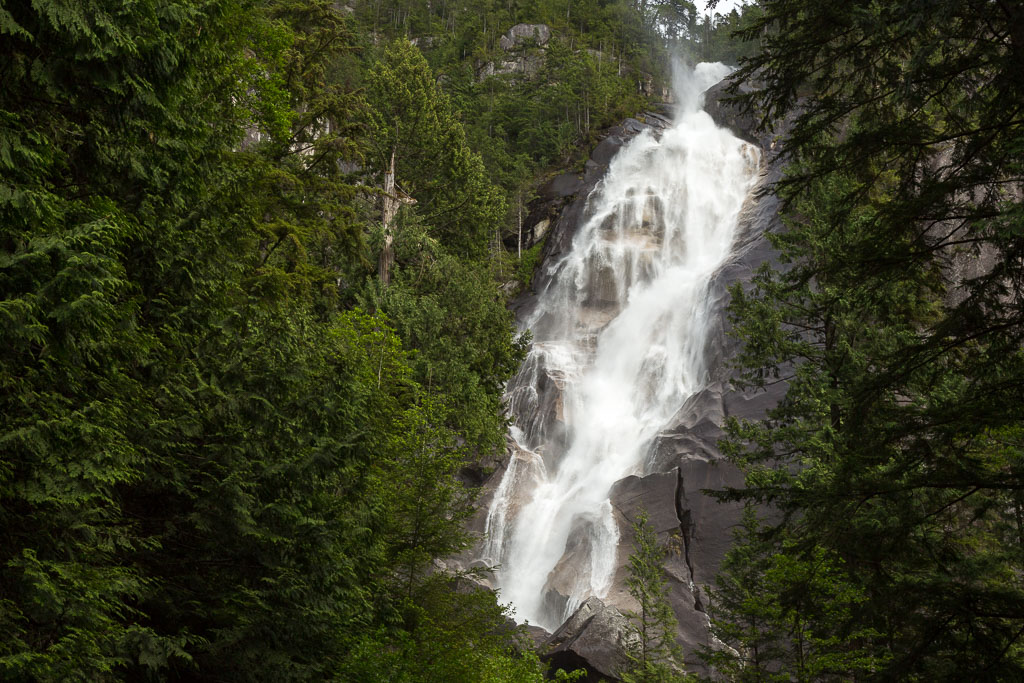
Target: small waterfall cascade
x,y
618,346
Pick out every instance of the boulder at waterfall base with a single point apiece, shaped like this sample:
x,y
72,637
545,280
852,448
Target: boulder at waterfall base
x,y
595,638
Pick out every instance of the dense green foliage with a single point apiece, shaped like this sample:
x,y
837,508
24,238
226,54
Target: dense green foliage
x,y
788,615
442,298
214,466
533,106
894,466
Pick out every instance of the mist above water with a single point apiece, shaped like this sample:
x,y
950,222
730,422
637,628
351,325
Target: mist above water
x,y
619,345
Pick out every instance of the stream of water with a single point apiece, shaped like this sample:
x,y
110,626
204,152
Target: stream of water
x,y
619,335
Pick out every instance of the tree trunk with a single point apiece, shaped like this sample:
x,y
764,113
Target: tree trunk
x,y
387,253
519,214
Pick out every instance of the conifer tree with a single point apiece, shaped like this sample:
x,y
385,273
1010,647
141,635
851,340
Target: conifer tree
x,y
779,614
112,125
897,324
412,119
442,299
656,656
193,424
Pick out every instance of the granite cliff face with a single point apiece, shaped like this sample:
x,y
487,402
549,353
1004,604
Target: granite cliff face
x,y
682,460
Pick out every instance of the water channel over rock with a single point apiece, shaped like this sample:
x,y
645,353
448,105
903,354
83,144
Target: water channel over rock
x,y
619,336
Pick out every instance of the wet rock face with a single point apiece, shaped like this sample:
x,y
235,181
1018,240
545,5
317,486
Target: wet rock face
x,y
727,114
693,528
559,207
684,459
572,569
595,638
543,212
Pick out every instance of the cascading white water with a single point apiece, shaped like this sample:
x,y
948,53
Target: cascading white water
x,y
619,336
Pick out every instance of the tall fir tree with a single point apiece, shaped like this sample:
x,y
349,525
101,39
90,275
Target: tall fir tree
x,y
897,325
194,425
656,656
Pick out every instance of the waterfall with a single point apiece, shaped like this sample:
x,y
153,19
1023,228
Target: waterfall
x,y
618,345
